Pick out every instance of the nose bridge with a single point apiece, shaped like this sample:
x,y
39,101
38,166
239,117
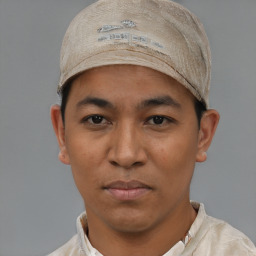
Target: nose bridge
x,y
126,148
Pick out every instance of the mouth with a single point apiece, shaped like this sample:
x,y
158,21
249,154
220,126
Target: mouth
x,y
127,191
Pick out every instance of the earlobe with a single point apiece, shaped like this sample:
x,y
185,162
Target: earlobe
x,y
59,130
63,157
208,125
201,156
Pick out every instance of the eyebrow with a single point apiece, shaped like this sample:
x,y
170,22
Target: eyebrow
x,y
158,101
94,101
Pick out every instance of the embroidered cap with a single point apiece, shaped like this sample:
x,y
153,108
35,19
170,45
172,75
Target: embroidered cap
x,y
158,34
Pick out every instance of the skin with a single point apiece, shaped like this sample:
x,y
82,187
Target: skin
x,y
143,130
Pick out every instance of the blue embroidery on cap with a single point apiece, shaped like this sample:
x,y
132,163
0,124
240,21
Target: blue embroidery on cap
x,y
140,39
157,44
125,37
130,38
118,36
126,24
107,28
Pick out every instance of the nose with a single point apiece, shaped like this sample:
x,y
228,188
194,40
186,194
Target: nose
x,y
127,149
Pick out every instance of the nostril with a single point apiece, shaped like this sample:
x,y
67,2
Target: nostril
x,y
114,163
135,164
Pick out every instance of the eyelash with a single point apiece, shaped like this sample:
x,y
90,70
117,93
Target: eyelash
x,y
164,120
160,118
87,118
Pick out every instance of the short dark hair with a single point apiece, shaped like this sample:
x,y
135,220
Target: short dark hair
x,y
200,106
64,93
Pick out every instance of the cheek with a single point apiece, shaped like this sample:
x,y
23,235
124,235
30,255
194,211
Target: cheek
x,y
85,159
176,149
81,149
175,157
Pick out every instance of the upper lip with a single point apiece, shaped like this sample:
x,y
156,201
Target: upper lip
x,y
133,184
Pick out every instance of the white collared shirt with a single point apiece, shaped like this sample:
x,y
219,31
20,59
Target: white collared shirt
x,y
207,237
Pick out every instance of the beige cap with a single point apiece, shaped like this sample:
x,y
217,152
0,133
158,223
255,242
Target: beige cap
x,y
159,34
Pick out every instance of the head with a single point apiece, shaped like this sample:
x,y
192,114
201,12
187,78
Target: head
x,y
129,123
134,117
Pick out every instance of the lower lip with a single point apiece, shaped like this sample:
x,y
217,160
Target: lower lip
x,y
127,194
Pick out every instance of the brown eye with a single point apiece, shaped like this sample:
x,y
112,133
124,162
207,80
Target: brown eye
x,y
96,119
158,119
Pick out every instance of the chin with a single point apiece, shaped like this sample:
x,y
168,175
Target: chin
x,y
130,222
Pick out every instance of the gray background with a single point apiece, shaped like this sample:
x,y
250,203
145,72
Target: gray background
x,y
38,199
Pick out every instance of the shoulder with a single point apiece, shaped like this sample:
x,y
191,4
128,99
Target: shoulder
x,y
71,248
220,238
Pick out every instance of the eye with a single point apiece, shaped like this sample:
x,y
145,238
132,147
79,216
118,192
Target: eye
x,y
95,119
159,120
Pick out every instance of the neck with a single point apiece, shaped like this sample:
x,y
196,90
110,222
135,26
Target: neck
x,y
155,241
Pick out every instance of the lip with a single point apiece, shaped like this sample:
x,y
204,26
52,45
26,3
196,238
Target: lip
x,y
127,191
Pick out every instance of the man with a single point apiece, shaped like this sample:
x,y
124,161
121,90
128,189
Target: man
x,y
133,122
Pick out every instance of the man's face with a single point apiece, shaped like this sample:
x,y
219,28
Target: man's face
x,y
131,138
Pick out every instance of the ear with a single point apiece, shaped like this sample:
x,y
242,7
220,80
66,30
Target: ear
x,y
59,130
208,125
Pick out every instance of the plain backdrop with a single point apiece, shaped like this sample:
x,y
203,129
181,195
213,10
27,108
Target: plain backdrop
x,y
39,202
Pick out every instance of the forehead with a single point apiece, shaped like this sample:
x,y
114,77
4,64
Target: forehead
x,y
126,83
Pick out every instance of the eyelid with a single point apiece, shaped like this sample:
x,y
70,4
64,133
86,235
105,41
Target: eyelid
x,y
86,118
166,118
